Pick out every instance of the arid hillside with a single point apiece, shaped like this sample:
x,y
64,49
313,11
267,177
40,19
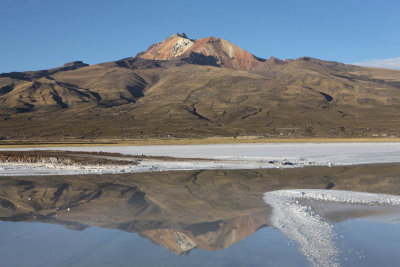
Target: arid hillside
x,y
184,88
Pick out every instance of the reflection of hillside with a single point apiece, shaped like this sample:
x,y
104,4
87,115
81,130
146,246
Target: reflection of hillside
x,y
178,210
210,235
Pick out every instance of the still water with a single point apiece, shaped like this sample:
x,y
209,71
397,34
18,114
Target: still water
x,y
203,218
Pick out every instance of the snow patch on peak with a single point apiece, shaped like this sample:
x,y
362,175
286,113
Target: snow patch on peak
x,y
229,49
181,46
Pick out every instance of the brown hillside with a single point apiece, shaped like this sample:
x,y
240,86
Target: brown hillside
x,y
199,93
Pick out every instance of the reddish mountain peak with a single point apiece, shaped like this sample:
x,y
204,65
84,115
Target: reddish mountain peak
x,y
179,45
227,233
173,46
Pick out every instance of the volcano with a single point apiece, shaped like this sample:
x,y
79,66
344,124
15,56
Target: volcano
x,y
227,54
187,88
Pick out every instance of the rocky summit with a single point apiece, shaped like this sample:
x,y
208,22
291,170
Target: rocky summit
x,y
187,88
226,54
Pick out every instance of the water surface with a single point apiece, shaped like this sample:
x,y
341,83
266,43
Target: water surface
x,y
191,218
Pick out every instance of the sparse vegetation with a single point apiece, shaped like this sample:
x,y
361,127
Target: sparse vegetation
x,y
190,98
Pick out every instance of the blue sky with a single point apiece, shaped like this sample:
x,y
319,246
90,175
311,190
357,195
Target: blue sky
x,y
39,34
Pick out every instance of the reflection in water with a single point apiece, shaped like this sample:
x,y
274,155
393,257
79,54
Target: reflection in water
x,y
186,210
294,215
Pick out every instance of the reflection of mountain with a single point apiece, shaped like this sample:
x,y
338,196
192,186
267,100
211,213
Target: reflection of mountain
x,y
214,235
209,235
178,210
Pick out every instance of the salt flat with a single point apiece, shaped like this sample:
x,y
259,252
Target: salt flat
x,y
224,156
337,153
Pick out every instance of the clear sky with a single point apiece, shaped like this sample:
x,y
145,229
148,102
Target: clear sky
x,y
39,34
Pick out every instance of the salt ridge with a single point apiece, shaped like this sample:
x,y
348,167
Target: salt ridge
x,y
314,235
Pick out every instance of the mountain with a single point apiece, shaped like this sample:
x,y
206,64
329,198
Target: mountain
x,y
227,54
185,88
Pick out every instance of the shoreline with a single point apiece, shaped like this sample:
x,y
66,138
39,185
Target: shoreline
x,y
60,162
190,141
25,160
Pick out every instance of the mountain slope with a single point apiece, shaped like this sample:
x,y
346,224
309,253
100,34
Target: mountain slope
x,y
227,54
200,92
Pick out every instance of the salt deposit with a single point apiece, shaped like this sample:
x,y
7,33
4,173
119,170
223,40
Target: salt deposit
x,y
294,216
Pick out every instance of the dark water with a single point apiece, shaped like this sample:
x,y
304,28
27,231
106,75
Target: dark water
x,y
189,218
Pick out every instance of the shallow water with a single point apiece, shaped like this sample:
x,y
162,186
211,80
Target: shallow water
x,y
197,218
